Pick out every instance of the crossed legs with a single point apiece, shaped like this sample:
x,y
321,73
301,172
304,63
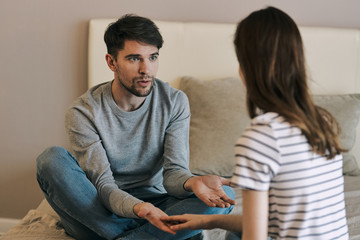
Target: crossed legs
x,y
82,214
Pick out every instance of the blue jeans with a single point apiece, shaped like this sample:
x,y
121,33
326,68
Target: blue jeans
x,y
75,199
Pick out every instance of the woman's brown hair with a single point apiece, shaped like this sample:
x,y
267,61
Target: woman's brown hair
x,y
270,52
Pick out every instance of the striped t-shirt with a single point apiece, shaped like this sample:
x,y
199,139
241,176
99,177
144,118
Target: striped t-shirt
x,y
306,198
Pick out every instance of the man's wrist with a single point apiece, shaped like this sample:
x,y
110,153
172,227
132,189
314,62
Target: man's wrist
x,y
188,184
137,208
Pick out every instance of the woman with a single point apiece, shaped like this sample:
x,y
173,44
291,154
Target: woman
x,y
288,162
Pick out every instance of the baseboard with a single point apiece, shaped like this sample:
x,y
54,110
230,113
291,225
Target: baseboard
x,y
7,223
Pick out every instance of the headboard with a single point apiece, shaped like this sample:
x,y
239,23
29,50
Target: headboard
x,y
205,51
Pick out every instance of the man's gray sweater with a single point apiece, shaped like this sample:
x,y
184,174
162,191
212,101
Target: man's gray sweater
x,y
121,150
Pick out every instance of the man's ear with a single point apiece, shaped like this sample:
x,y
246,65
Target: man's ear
x,y
111,62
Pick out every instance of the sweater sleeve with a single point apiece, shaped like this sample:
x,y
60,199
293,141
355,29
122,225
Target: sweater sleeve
x,y
176,148
88,149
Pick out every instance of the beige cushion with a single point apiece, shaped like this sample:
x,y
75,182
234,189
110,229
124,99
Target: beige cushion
x,y
219,116
346,109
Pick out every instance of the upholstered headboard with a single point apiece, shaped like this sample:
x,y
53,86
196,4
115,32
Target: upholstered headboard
x,y
205,51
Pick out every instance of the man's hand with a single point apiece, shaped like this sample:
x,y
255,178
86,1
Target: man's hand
x,y
152,214
209,189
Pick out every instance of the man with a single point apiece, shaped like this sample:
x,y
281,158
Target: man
x,y
129,137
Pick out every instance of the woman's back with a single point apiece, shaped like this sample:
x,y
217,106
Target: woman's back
x,y
306,199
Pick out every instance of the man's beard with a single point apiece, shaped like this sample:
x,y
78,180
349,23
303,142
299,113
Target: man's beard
x,y
132,89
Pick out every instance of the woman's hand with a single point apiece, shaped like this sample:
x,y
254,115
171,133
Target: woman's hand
x,y
187,222
196,221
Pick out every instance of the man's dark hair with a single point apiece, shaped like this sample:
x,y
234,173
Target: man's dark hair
x,y
134,28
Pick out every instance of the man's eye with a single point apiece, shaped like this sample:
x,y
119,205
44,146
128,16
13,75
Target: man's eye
x,y
133,59
153,58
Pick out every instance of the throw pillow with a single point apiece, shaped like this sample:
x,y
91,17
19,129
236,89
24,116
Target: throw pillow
x,y
218,118
346,109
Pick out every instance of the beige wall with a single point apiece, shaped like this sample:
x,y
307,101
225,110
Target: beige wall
x,y
43,68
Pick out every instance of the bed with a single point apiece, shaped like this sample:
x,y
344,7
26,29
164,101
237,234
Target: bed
x,y
199,59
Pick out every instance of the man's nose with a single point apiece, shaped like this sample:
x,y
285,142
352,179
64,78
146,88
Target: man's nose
x,y
144,67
